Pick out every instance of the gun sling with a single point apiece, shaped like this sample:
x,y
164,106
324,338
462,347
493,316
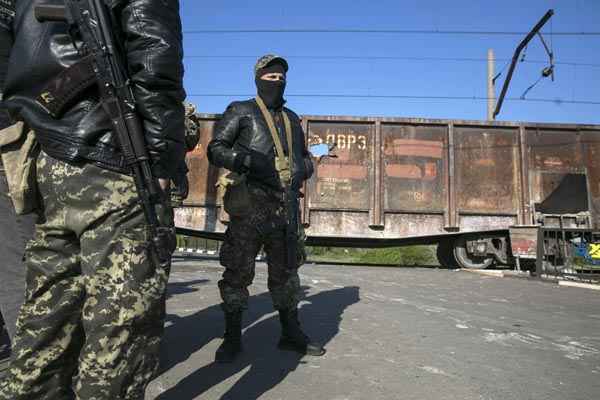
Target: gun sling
x,y
283,165
281,162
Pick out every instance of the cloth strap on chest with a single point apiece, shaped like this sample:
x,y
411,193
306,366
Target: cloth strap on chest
x,y
282,163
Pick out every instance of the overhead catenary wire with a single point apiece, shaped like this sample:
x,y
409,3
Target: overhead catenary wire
x,y
380,31
552,36
547,71
407,97
385,58
523,44
530,87
499,74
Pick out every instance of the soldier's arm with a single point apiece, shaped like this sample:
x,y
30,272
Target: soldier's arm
x,y
309,168
153,45
181,185
220,148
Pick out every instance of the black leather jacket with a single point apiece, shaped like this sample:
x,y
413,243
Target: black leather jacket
x,y
151,35
6,19
243,131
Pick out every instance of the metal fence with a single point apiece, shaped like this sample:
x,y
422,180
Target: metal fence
x,y
568,253
193,246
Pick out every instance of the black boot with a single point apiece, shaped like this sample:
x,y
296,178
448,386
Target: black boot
x,y
232,343
292,337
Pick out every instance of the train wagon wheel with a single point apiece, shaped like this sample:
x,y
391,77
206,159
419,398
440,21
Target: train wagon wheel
x,y
467,261
445,254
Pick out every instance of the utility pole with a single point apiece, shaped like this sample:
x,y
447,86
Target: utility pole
x,y
491,88
515,58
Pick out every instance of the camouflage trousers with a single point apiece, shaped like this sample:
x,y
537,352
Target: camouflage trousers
x,y
15,231
92,320
243,242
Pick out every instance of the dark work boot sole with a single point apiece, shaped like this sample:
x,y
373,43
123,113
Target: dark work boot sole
x,y
311,349
227,356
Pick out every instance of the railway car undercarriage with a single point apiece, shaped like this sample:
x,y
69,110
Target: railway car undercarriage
x,y
486,192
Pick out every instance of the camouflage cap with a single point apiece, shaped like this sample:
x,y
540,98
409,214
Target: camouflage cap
x,y
269,59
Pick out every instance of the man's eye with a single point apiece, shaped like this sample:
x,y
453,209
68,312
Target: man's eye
x,y
275,77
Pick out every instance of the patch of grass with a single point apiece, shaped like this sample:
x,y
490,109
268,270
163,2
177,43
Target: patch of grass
x,y
395,256
401,256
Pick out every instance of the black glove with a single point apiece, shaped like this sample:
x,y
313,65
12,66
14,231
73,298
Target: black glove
x,y
180,189
181,186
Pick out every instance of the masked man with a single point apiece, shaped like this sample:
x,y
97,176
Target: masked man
x,y
262,143
92,320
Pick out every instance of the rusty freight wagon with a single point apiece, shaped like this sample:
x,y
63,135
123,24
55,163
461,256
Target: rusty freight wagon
x,y
482,191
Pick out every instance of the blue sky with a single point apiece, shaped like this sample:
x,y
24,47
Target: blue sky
x,y
221,63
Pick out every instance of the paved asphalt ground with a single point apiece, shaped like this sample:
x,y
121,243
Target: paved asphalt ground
x,y
391,333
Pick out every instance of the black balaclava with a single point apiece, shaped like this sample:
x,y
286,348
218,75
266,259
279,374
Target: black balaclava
x,y
271,92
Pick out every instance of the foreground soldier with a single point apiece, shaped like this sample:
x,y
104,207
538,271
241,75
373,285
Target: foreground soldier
x,y
248,141
92,320
15,230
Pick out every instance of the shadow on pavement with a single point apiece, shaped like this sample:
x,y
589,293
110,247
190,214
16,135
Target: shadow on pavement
x,y
184,287
320,315
4,341
4,348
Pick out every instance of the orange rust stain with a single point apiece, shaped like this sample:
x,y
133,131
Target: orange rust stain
x,y
484,162
408,171
415,148
342,171
430,170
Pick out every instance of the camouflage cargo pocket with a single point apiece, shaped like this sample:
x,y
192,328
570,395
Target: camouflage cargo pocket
x,y
236,200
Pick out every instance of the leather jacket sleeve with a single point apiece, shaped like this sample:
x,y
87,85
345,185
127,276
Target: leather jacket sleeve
x,y
5,46
153,44
309,168
220,148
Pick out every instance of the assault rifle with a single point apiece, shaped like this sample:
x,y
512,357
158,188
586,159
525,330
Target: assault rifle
x,y
93,22
291,200
291,227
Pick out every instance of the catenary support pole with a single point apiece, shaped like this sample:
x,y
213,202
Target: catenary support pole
x,y
515,58
491,89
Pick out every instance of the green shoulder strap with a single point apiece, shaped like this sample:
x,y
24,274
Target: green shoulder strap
x,y
282,162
